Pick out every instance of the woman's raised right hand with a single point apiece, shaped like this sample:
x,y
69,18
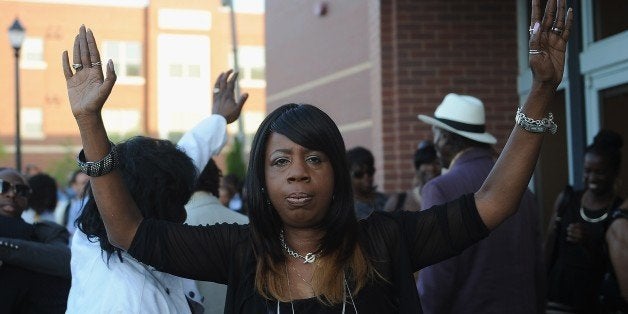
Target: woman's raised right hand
x,y
88,89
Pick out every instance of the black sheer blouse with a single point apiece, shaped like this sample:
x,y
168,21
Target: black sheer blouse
x,y
397,244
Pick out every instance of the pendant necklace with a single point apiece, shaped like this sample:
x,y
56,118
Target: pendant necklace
x,y
309,258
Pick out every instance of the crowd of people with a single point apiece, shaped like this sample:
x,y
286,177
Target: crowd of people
x,y
149,226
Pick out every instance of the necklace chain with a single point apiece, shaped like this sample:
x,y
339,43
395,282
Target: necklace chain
x,y
309,258
345,287
592,220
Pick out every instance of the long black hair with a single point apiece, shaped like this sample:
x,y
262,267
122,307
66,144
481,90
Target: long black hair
x,y
160,179
309,127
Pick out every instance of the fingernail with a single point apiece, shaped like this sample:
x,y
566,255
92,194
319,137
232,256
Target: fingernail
x,y
536,27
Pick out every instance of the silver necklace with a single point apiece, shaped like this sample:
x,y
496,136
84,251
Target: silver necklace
x,y
592,220
309,258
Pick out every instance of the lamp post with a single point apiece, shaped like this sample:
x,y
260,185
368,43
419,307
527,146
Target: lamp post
x,y
16,36
236,67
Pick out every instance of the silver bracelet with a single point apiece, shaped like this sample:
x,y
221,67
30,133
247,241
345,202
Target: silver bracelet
x,y
101,167
536,126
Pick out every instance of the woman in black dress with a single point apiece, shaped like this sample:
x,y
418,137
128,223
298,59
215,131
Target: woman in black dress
x,y
304,251
577,250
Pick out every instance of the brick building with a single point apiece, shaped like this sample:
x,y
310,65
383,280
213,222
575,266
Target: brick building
x,y
374,65
167,55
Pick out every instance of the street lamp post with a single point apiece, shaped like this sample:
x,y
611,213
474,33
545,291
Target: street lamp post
x,y
236,66
16,36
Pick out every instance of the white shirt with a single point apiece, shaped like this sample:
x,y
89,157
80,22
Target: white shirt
x,y
119,287
204,140
131,286
202,209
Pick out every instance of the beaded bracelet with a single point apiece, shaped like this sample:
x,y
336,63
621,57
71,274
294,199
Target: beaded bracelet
x,y
536,126
101,167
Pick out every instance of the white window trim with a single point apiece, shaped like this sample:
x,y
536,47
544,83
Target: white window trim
x,y
32,135
33,64
122,78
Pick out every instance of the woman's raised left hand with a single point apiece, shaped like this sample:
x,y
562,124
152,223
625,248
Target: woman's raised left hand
x,y
548,41
88,89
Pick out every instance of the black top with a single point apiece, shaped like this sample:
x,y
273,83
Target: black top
x,y
577,271
24,290
397,244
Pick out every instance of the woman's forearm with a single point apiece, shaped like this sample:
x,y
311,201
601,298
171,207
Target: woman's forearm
x,y
115,204
499,196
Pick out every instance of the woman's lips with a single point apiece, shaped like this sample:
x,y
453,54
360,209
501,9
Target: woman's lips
x,y
8,208
298,199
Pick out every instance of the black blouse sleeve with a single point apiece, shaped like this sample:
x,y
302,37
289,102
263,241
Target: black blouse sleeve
x,y
429,236
196,252
442,231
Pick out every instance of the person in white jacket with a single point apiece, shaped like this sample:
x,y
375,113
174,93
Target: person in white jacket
x,y
106,279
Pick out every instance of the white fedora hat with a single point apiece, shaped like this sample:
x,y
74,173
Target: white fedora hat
x,y
463,115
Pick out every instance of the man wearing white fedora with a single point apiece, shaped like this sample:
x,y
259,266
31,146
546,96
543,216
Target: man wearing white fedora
x,y
502,273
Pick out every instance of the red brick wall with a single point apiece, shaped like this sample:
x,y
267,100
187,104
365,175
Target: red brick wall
x,y
431,48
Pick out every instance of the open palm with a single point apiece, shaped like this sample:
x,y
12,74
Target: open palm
x,y
548,41
87,88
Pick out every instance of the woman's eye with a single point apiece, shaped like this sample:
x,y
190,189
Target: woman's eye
x,y
280,161
314,160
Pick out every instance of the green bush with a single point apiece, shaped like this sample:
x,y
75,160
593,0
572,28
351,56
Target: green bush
x,y
235,160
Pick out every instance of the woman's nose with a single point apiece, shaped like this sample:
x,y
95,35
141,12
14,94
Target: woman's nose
x,y
298,172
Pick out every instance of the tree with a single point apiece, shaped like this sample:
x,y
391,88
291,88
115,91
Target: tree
x,y
235,161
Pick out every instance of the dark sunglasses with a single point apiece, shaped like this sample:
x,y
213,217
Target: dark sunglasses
x,y
18,189
360,173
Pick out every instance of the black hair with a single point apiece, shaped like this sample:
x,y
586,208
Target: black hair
x,y
209,179
360,156
309,127
160,179
425,154
44,195
232,183
607,144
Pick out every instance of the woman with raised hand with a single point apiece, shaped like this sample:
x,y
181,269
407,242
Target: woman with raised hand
x,y
107,279
304,251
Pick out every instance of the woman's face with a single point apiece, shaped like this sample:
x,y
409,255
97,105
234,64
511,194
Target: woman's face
x,y
598,175
14,196
300,181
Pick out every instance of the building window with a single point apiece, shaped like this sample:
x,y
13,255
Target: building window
x,y
177,70
32,54
245,6
31,123
607,20
127,59
252,63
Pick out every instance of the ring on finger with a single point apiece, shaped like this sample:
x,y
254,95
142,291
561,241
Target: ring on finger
x,y
535,51
557,30
216,90
530,30
77,66
97,63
